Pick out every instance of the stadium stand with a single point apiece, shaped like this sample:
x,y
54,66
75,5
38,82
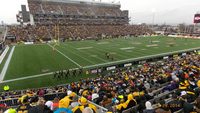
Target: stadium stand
x,y
3,33
126,90
76,12
76,32
168,86
76,20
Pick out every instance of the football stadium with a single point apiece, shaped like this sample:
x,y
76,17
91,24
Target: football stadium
x,y
70,56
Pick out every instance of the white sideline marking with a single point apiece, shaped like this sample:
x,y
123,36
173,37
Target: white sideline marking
x,y
4,70
84,48
33,76
65,56
4,54
127,48
27,77
85,67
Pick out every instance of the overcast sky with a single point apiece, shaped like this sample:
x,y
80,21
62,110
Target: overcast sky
x,y
140,11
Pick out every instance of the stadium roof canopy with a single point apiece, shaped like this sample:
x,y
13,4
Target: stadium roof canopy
x,y
83,2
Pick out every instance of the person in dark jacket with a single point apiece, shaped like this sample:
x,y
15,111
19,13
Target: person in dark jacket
x,y
40,107
175,104
187,107
197,105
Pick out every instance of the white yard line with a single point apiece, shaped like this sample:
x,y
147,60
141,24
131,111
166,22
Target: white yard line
x,y
139,58
100,58
152,45
65,56
4,70
127,48
87,54
80,56
81,48
4,54
131,59
107,51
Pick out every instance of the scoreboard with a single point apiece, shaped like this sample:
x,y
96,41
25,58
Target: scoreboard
x,y
197,18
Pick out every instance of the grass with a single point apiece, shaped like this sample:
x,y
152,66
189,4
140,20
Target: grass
x,y
29,60
44,82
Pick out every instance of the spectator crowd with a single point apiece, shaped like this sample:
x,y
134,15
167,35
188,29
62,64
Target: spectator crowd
x,y
73,11
117,91
122,89
76,20
35,33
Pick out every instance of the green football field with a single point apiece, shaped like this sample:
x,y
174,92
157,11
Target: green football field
x,y
32,65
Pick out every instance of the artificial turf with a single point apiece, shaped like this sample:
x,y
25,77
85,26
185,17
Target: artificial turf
x,y
29,60
4,60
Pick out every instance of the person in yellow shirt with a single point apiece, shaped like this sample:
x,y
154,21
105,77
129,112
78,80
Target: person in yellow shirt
x,y
67,100
122,106
130,101
84,104
183,85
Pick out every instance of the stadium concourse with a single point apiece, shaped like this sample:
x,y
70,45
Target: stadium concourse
x,y
168,86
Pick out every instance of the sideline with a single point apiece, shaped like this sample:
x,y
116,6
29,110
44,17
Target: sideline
x,y
85,67
4,54
4,70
